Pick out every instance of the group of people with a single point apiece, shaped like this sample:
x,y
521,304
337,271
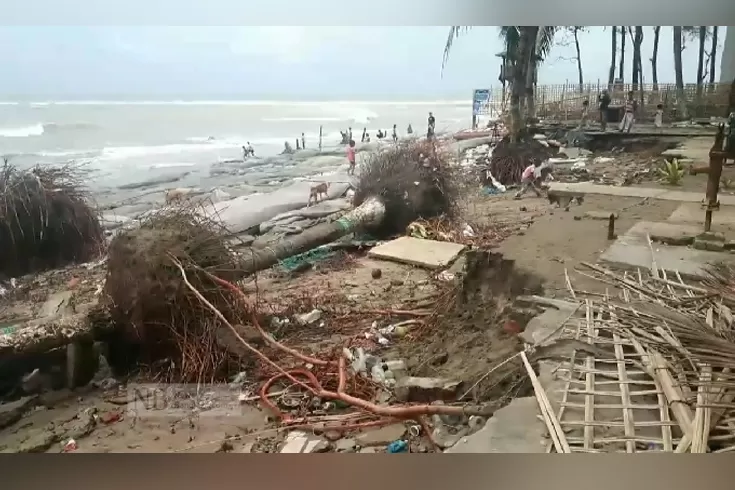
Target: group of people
x,y
630,111
247,151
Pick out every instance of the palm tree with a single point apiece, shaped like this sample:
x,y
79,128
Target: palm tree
x,y
713,56
700,59
637,63
575,30
621,71
614,46
654,57
525,46
680,95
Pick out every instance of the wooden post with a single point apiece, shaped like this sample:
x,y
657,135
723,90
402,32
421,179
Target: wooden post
x,y
716,159
611,227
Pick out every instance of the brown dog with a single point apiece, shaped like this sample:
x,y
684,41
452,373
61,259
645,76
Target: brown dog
x,y
317,191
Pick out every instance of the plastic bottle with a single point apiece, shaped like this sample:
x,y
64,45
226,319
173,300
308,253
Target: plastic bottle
x,y
398,446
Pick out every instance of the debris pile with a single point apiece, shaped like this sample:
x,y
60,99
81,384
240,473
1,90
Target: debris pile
x,y
665,350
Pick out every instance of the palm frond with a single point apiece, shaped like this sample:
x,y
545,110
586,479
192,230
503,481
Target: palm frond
x,y
545,40
454,33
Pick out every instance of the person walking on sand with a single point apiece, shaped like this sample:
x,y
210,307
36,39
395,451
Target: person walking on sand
x,y
431,126
364,135
604,103
631,106
351,158
395,134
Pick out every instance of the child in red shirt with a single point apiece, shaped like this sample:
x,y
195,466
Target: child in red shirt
x,y
351,157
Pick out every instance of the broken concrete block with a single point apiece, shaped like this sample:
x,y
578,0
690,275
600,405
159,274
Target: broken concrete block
x,y
711,236
382,436
301,442
412,389
709,245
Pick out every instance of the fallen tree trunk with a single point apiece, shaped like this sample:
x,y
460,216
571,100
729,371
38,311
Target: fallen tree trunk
x,y
368,214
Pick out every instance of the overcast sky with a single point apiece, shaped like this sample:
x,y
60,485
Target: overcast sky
x,y
286,62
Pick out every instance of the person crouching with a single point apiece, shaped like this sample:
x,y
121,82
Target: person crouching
x,y
530,180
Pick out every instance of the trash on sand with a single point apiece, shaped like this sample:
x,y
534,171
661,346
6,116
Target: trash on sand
x,y
445,276
468,231
579,166
399,446
309,318
70,446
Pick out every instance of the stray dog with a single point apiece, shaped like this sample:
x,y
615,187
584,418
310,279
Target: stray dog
x,y
177,195
564,199
316,192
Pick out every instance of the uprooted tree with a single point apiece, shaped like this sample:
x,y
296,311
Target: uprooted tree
x,y
160,317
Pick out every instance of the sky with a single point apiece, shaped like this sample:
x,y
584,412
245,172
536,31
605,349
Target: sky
x,y
288,62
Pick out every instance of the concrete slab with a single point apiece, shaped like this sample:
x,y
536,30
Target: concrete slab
x,y
417,251
694,213
515,428
641,192
632,252
669,233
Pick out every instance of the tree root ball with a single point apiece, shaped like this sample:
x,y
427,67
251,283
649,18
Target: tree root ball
x,y
46,219
151,304
414,179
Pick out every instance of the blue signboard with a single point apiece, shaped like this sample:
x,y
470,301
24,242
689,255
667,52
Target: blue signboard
x,y
481,102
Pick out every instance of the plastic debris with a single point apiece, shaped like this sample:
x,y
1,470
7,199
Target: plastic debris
x,y
70,446
399,446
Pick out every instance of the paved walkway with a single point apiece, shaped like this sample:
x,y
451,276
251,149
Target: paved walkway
x,y
642,192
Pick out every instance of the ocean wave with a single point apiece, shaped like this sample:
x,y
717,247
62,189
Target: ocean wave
x,y
22,131
39,129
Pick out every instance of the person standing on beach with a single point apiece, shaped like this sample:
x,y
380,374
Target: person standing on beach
x,y
432,126
349,134
303,141
631,107
395,134
364,135
410,129
604,104
584,120
351,158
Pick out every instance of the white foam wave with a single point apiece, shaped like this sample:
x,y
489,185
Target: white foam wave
x,y
22,131
173,165
301,119
290,103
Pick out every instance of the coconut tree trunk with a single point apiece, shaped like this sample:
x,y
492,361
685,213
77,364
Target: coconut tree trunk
x,y
678,70
654,57
531,58
579,59
614,52
518,83
713,57
637,66
621,67
370,213
700,60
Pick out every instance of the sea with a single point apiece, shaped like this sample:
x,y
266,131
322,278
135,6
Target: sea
x,y
133,146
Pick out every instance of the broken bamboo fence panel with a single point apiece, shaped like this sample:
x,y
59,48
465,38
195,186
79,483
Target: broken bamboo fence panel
x,y
555,431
